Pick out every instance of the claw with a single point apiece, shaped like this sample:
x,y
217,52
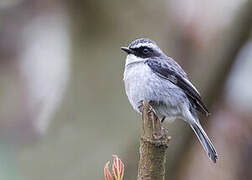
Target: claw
x,y
151,109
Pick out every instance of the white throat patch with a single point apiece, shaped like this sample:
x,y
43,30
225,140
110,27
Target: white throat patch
x,y
131,58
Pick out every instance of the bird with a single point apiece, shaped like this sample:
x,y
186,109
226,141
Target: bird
x,y
151,75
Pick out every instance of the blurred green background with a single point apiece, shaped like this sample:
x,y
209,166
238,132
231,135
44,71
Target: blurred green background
x,y
63,108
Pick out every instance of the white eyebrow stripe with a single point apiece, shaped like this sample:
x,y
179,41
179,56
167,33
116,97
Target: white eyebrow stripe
x,y
150,45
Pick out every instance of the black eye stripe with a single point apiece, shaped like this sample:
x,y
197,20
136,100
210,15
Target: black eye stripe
x,y
143,50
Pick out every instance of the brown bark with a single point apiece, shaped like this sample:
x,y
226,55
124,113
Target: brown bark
x,y
153,146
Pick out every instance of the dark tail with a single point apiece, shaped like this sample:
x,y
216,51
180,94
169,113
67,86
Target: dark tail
x,y
205,142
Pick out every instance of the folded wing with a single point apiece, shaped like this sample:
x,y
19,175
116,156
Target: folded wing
x,y
171,71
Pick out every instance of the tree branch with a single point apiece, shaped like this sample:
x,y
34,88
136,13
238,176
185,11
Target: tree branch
x,y
153,146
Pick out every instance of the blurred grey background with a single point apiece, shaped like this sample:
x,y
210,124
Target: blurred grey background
x,y
63,108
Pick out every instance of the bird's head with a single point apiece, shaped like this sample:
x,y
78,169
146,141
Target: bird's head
x,y
141,49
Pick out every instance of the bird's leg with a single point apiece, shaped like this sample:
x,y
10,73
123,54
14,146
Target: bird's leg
x,y
151,108
149,113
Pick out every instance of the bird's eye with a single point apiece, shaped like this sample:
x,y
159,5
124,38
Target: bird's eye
x,y
145,51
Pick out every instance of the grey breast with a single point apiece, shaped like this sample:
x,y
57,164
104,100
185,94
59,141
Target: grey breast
x,y
141,83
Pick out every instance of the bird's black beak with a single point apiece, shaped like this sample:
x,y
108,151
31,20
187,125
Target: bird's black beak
x,y
127,50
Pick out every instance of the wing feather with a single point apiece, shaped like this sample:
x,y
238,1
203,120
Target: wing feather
x,y
171,71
